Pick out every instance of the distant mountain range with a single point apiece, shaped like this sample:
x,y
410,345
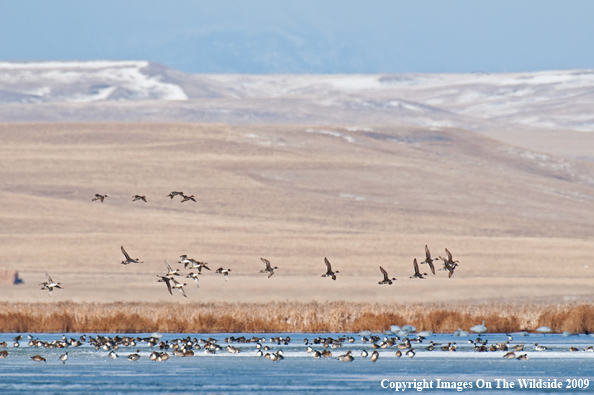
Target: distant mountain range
x,y
146,91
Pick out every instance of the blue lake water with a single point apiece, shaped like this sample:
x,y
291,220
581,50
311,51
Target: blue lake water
x,y
88,370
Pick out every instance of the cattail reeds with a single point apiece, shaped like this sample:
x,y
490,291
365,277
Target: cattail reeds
x,y
287,317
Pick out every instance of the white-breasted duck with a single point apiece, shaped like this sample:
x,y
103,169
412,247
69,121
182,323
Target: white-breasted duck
x,y
346,357
178,285
64,357
128,259
417,274
386,279
99,197
225,272
170,271
428,260
269,269
195,277
329,272
449,264
50,284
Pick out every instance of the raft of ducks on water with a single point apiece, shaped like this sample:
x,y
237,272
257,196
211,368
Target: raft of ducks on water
x,y
185,347
169,278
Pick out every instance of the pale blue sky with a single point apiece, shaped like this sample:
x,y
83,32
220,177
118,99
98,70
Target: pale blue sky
x,y
321,36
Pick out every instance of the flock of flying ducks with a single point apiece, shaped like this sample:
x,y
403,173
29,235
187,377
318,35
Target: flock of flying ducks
x,y
169,278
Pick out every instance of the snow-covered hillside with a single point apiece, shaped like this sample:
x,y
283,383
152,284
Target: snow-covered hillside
x,y
83,82
554,100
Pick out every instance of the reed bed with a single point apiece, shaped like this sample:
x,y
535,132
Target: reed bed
x,y
285,317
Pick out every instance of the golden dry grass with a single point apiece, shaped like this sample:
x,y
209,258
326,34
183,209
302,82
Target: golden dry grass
x,y
287,317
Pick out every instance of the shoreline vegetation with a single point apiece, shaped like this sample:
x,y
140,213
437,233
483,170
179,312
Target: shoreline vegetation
x,y
288,317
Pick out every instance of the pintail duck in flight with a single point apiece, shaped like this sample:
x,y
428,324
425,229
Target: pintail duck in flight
x,y
269,269
179,286
128,259
449,264
195,277
194,264
428,260
329,272
174,193
50,284
386,279
139,197
186,198
170,271
224,271
417,272
99,197
167,282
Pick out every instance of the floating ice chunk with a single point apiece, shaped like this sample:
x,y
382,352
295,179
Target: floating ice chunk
x,y
544,329
403,333
409,328
426,333
365,333
395,328
567,334
389,333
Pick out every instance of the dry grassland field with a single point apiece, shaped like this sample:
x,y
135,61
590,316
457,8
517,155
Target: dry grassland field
x,y
519,221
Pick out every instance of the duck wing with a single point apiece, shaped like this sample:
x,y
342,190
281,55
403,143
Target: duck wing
x,y
385,273
416,266
182,291
167,266
328,265
427,254
267,262
449,255
49,279
126,254
431,266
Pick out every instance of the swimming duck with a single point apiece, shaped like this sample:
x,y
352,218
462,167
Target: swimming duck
x,y
128,259
224,272
364,354
374,356
38,358
417,272
49,285
269,269
139,197
539,348
346,357
134,357
510,355
64,357
186,198
386,279
329,272
112,355
428,260
410,353
398,353
195,277
3,354
523,357
99,197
